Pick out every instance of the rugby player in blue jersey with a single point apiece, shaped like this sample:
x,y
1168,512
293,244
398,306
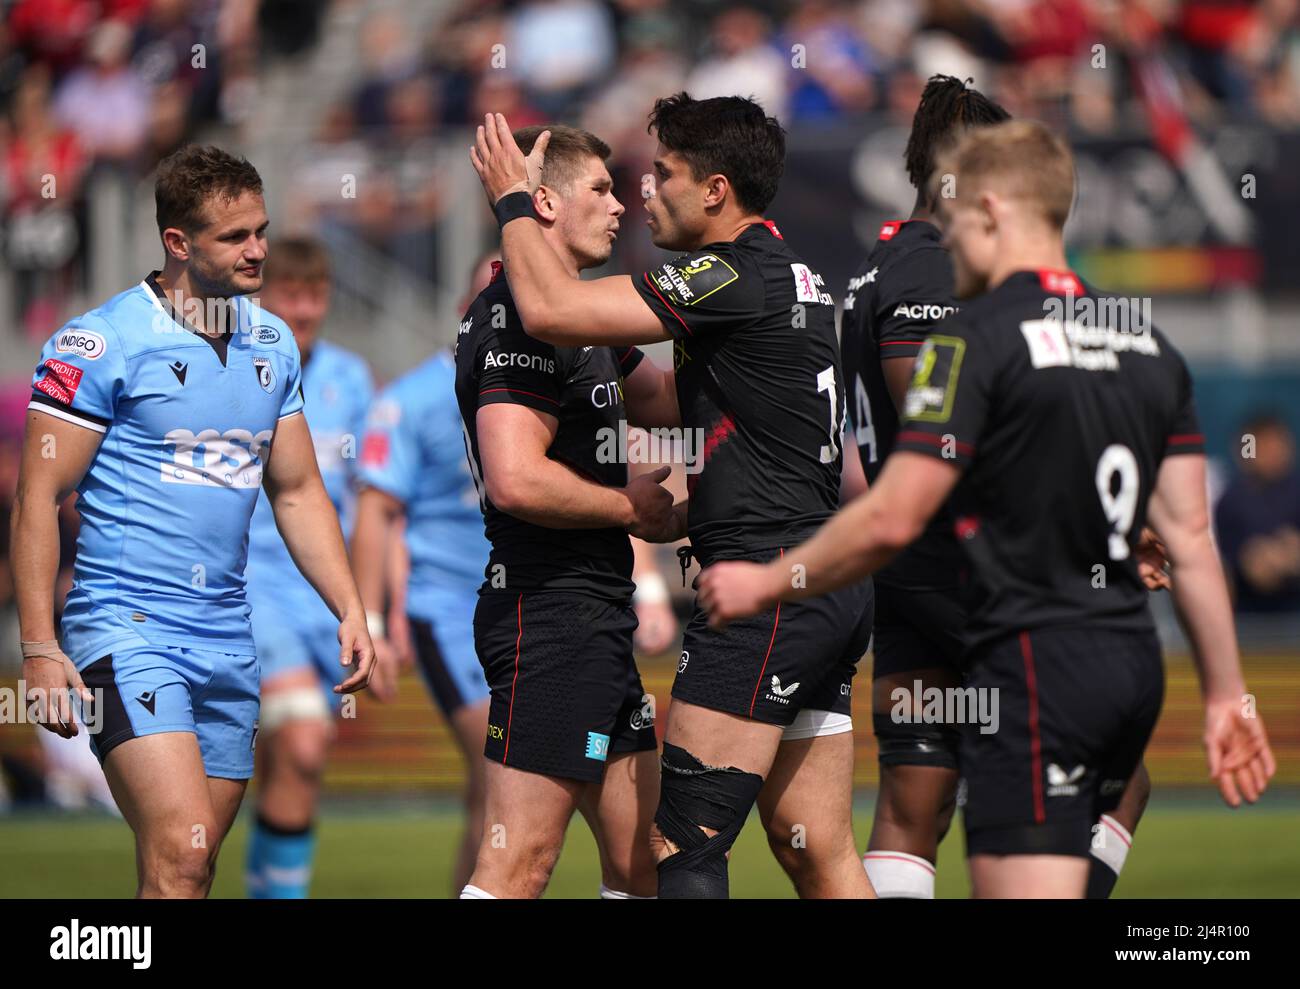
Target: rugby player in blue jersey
x,y
413,467
166,409
292,628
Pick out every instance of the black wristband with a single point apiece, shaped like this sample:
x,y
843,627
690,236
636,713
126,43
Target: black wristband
x,y
512,206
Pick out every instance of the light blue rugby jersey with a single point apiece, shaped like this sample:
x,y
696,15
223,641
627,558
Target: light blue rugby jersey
x,y
166,503
415,450
336,391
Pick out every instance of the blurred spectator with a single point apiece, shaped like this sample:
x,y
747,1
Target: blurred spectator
x,y
1258,520
43,165
164,52
742,62
559,50
106,103
837,76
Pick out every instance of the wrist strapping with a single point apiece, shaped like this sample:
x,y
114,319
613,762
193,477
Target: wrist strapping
x,y
512,206
48,649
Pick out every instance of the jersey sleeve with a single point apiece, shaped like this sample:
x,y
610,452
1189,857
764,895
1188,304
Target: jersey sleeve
x,y
81,375
629,359
1185,434
291,403
915,296
390,452
512,368
709,291
948,400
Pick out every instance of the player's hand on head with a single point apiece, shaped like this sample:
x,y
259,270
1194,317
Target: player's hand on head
x,y
356,651
1153,561
653,518
501,166
732,590
51,679
1236,744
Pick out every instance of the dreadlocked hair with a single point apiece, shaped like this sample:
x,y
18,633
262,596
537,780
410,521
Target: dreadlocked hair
x,y
948,108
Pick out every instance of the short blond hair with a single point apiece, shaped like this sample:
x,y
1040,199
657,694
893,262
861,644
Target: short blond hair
x,y
1023,159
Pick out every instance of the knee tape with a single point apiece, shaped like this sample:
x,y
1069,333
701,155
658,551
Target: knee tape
x,y
915,745
694,796
295,704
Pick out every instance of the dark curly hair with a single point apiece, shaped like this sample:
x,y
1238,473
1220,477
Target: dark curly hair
x,y
948,108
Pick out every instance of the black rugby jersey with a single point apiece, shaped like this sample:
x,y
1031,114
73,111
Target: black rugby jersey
x,y
902,291
1059,407
758,376
496,361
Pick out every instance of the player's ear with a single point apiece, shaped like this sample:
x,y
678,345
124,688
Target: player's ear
x,y
991,209
176,243
546,203
716,188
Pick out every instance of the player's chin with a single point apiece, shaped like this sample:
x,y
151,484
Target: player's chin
x,y
245,282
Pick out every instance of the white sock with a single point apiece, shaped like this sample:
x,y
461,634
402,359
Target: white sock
x,y
474,893
1110,843
612,894
897,875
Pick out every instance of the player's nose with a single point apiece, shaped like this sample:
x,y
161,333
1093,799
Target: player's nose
x,y
617,209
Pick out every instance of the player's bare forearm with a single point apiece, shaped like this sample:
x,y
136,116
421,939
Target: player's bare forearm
x,y
853,477
555,307
1201,601
549,493
377,512
1178,511
860,539
866,534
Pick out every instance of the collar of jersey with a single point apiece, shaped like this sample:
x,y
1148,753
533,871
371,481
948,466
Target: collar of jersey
x,y
151,283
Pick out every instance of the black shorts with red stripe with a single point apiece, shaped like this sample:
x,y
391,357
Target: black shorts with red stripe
x,y
566,694
769,667
1075,710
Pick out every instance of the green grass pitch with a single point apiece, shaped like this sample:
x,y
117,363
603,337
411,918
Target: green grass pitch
x,y
1186,847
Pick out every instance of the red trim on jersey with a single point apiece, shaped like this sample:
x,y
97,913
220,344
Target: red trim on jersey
x,y
497,268
1118,833
519,391
646,276
1185,438
1060,282
901,343
772,641
511,715
912,435
900,858
1035,740
888,230
772,227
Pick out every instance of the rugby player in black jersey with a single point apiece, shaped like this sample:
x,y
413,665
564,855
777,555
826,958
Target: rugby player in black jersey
x,y
900,293
569,725
764,705
1068,427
